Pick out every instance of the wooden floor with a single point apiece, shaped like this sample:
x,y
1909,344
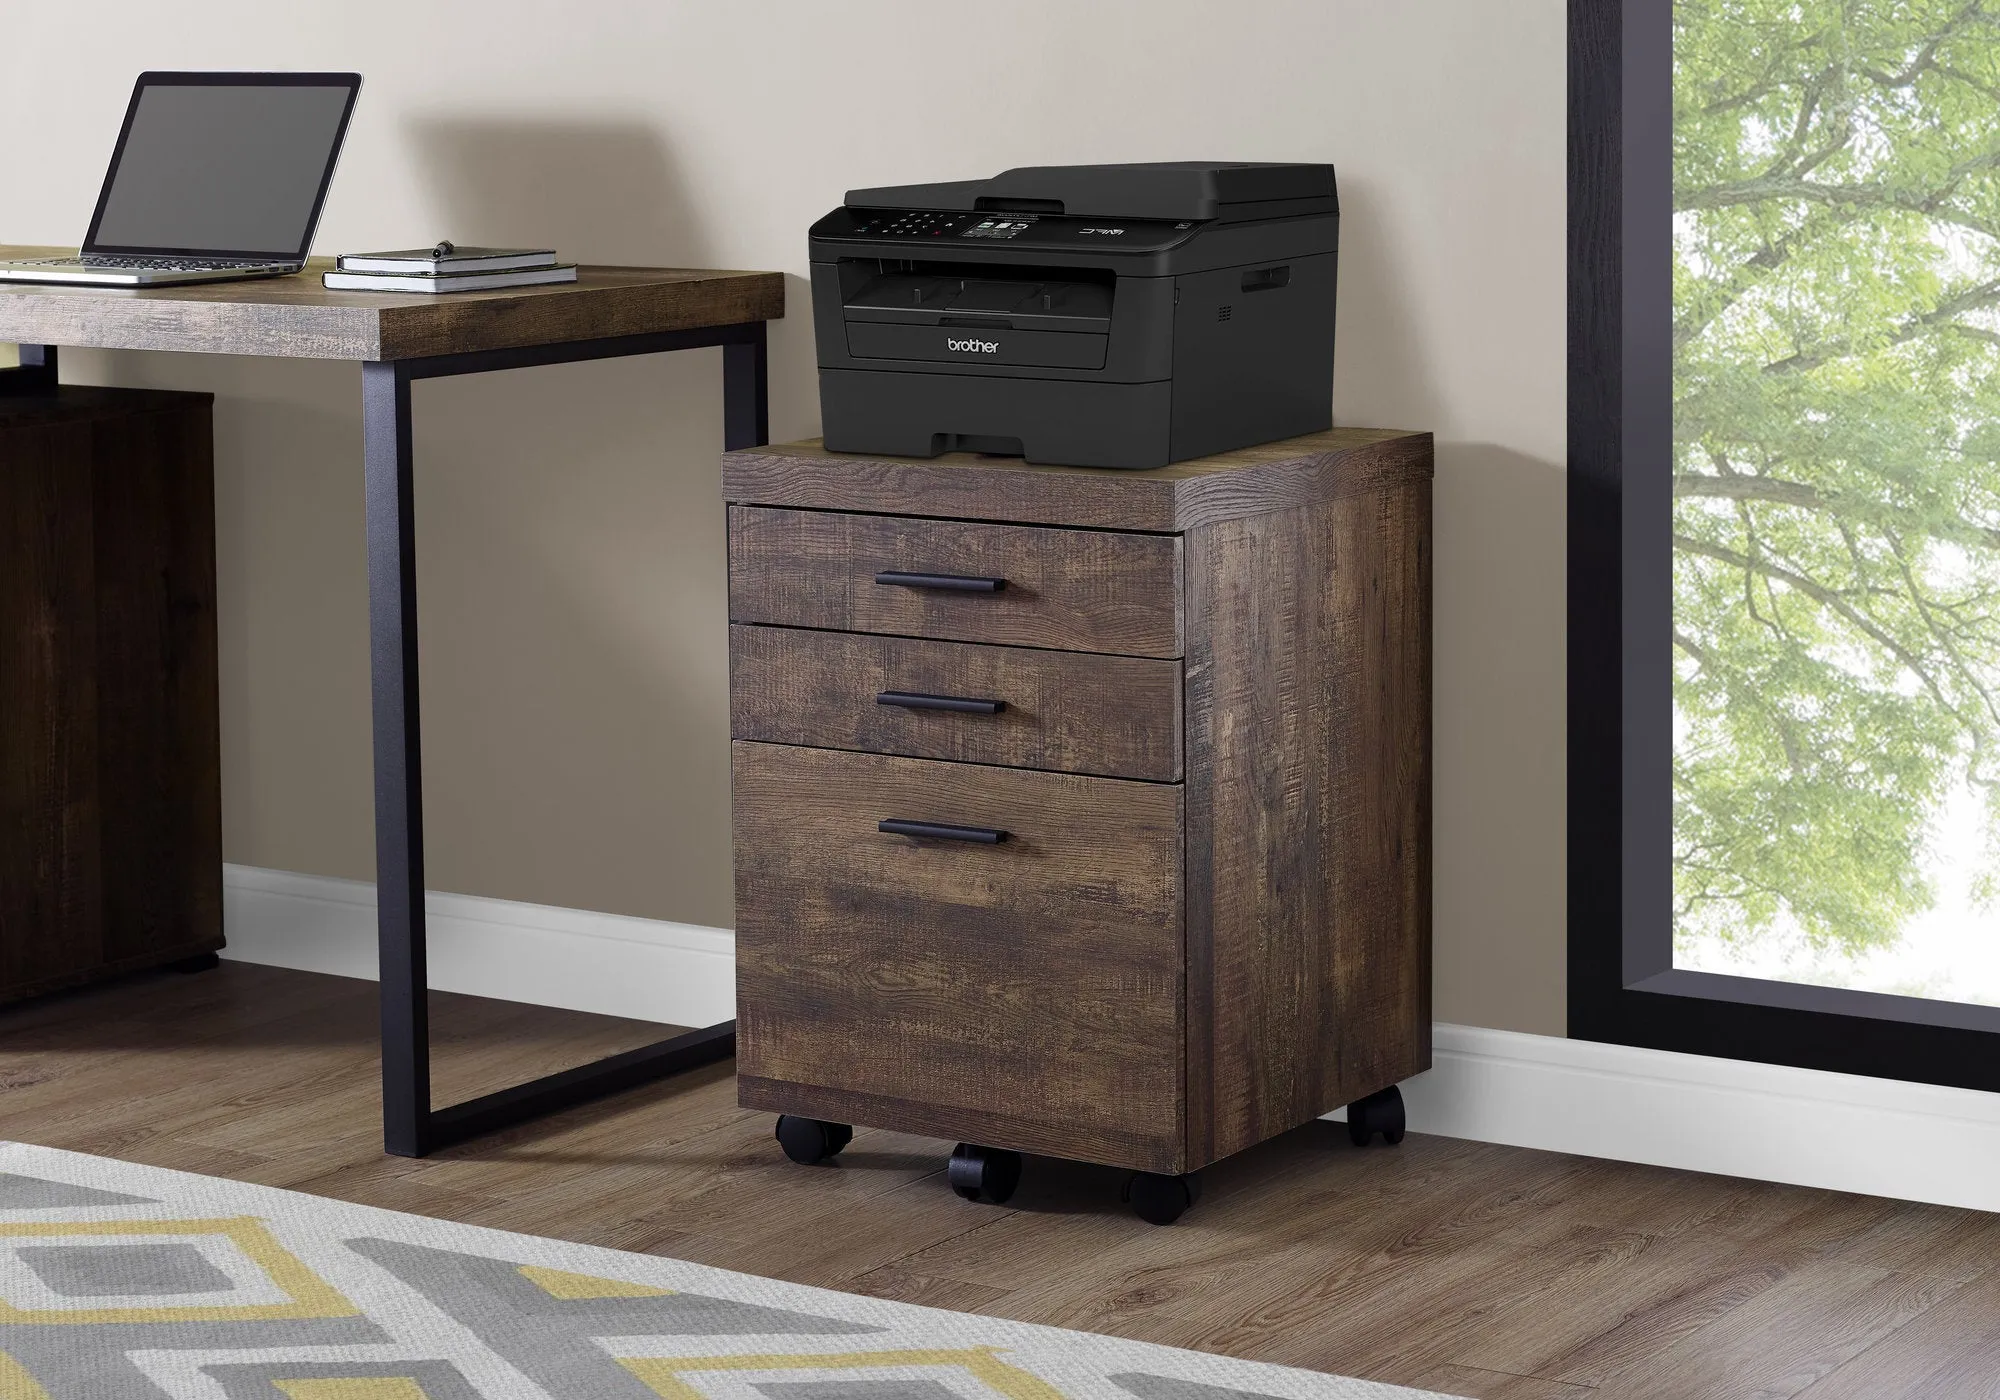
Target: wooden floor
x,y
1477,1270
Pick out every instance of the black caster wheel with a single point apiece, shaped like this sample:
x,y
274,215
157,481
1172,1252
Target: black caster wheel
x,y
1161,1200
200,962
807,1140
983,1173
1378,1113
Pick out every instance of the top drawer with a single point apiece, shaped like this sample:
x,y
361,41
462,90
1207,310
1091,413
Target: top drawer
x,y
1015,585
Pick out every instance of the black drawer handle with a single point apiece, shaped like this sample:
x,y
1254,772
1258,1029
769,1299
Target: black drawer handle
x,y
941,831
911,700
949,583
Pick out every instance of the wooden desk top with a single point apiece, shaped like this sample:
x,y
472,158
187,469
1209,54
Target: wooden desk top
x,y
297,317
965,486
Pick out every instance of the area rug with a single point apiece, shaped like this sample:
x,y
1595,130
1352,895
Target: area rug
x,y
121,1282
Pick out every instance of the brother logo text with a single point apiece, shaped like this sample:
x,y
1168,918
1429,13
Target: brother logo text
x,y
982,347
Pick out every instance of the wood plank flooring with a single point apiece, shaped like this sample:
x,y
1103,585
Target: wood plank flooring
x,y
1477,1270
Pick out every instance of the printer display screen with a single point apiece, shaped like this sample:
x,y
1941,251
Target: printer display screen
x,y
1004,226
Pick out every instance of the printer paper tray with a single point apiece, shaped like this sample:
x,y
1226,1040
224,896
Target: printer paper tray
x,y
975,345
1032,302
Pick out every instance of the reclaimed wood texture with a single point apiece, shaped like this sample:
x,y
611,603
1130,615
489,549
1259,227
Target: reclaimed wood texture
x,y
1068,590
1035,983
110,786
1470,1268
298,317
1308,764
1069,712
1303,607
1272,476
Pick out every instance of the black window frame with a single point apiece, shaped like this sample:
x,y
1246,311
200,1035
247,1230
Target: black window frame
x,y
1623,988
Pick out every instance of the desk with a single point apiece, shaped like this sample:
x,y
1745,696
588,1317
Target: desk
x,y
607,312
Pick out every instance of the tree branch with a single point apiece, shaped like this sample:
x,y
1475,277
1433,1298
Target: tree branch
x,y
1826,597
1757,189
1801,496
1780,721
1925,58
1753,271
1966,674
1943,315
1790,161
1959,75
1702,655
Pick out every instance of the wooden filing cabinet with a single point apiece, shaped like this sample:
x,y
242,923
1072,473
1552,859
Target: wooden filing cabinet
x,y
1078,812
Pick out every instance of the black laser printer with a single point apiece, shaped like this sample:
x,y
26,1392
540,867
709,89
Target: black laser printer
x,y
1083,315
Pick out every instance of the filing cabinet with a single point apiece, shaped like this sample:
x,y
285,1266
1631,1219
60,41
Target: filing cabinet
x,y
1081,813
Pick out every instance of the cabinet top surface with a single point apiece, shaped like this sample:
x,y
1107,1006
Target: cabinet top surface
x,y
299,318
85,403
1202,491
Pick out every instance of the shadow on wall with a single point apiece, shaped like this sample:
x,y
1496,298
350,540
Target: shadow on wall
x,y
572,566
604,192
1499,707
1499,716
1381,376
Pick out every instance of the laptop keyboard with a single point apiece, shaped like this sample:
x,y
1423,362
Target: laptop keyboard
x,y
113,262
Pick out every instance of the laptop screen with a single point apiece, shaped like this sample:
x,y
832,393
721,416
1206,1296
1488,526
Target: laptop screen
x,y
223,164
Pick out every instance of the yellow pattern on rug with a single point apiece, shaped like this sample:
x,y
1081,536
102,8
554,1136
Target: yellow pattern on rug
x,y
560,1283
663,1373
355,1388
16,1383
312,1297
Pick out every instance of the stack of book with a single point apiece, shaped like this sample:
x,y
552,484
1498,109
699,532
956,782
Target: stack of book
x,y
446,268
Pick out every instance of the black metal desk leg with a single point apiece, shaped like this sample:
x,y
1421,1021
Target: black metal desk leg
x,y
410,1127
399,800
37,371
746,390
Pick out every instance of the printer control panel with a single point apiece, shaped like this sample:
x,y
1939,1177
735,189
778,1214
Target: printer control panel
x,y
1027,230
923,224
914,224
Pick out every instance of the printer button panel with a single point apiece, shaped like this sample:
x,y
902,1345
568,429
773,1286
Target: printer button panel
x,y
916,225
928,224
986,227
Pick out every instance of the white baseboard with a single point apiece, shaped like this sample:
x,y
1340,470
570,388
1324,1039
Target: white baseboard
x,y
1878,1137
650,970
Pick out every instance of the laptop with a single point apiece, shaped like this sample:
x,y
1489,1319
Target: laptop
x,y
216,176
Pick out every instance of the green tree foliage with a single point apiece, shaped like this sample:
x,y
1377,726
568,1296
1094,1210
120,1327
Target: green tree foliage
x,y
1836,454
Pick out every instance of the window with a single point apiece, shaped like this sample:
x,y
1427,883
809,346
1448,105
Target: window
x,y
1785,531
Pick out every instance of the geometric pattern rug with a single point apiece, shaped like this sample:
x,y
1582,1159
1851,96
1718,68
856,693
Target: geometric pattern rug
x,y
122,1282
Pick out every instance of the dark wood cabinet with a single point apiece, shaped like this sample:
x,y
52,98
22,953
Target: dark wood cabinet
x,y
110,789
1180,901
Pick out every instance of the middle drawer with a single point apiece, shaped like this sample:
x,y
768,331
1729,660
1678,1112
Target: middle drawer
x,y
1068,712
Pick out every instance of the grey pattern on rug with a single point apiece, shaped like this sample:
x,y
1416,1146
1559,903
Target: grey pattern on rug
x,y
121,1282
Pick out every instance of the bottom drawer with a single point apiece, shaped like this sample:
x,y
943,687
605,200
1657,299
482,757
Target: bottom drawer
x,y
1021,992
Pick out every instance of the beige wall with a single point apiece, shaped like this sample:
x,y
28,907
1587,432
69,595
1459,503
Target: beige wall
x,y
572,575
